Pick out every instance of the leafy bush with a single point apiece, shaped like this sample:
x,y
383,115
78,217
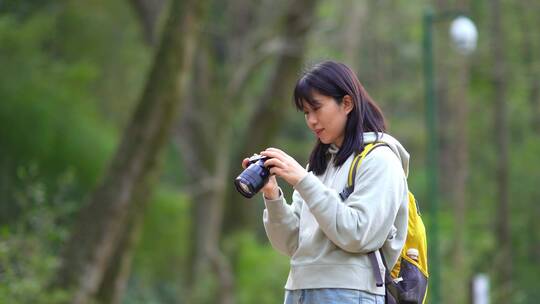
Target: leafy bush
x,y
29,248
261,272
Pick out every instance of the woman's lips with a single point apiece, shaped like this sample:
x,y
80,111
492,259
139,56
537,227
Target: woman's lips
x,y
318,131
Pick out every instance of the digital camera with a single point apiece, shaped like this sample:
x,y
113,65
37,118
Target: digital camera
x,y
254,177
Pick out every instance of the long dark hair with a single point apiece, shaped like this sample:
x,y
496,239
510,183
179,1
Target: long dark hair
x,y
336,80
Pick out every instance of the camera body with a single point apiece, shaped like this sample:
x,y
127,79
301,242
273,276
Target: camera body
x,y
254,177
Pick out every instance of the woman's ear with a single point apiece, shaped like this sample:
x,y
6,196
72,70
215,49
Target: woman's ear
x,y
348,104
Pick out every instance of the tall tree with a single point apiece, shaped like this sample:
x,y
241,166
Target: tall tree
x,y
207,145
276,99
531,60
458,156
354,14
223,64
115,278
530,48
101,223
148,12
503,257
444,63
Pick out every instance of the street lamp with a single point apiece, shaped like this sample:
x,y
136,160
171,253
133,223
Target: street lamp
x,y
464,35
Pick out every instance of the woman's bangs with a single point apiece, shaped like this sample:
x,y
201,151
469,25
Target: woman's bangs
x,y
303,92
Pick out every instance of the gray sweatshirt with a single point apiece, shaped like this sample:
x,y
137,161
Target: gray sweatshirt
x,y
327,239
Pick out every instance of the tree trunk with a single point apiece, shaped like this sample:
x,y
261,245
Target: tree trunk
x,y
277,98
531,61
115,279
210,262
503,257
90,249
205,144
355,12
458,152
529,20
264,124
444,62
148,12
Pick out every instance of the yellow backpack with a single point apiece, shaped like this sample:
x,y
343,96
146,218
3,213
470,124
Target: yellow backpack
x,y
407,281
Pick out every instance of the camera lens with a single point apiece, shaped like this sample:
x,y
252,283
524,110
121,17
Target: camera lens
x,y
252,179
244,186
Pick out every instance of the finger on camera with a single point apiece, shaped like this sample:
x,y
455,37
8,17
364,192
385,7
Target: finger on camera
x,y
271,154
274,149
274,171
264,153
245,162
273,162
277,151
268,152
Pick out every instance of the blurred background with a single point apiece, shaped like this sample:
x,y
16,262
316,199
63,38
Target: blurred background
x,y
123,125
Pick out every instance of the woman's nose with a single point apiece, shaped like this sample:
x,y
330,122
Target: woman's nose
x,y
311,119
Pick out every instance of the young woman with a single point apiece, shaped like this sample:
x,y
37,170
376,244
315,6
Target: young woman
x,y
326,238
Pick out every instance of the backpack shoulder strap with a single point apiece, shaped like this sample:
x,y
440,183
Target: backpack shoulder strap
x,y
354,167
349,190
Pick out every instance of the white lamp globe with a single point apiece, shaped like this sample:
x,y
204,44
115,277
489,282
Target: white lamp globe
x,y
464,34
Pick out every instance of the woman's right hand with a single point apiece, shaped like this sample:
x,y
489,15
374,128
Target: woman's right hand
x,y
271,189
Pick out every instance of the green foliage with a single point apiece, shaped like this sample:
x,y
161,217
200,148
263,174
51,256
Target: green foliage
x,y
525,211
160,264
25,276
260,271
161,268
47,122
166,225
59,73
29,249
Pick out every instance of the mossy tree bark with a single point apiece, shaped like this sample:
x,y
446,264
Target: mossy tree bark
x,y
90,250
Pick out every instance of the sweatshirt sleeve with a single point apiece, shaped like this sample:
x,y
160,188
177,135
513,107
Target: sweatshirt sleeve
x,y
362,223
282,221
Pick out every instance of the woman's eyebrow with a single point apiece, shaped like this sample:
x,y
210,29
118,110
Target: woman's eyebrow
x,y
311,105
315,102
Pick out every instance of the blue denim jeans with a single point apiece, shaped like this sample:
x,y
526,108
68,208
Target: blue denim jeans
x,y
330,296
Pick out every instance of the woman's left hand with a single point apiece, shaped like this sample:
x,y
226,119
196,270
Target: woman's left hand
x,y
284,166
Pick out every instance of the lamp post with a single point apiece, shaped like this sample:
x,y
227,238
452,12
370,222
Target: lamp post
x,y
464,35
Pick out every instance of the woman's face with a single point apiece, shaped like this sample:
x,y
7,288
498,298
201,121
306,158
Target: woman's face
x,y
327,118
